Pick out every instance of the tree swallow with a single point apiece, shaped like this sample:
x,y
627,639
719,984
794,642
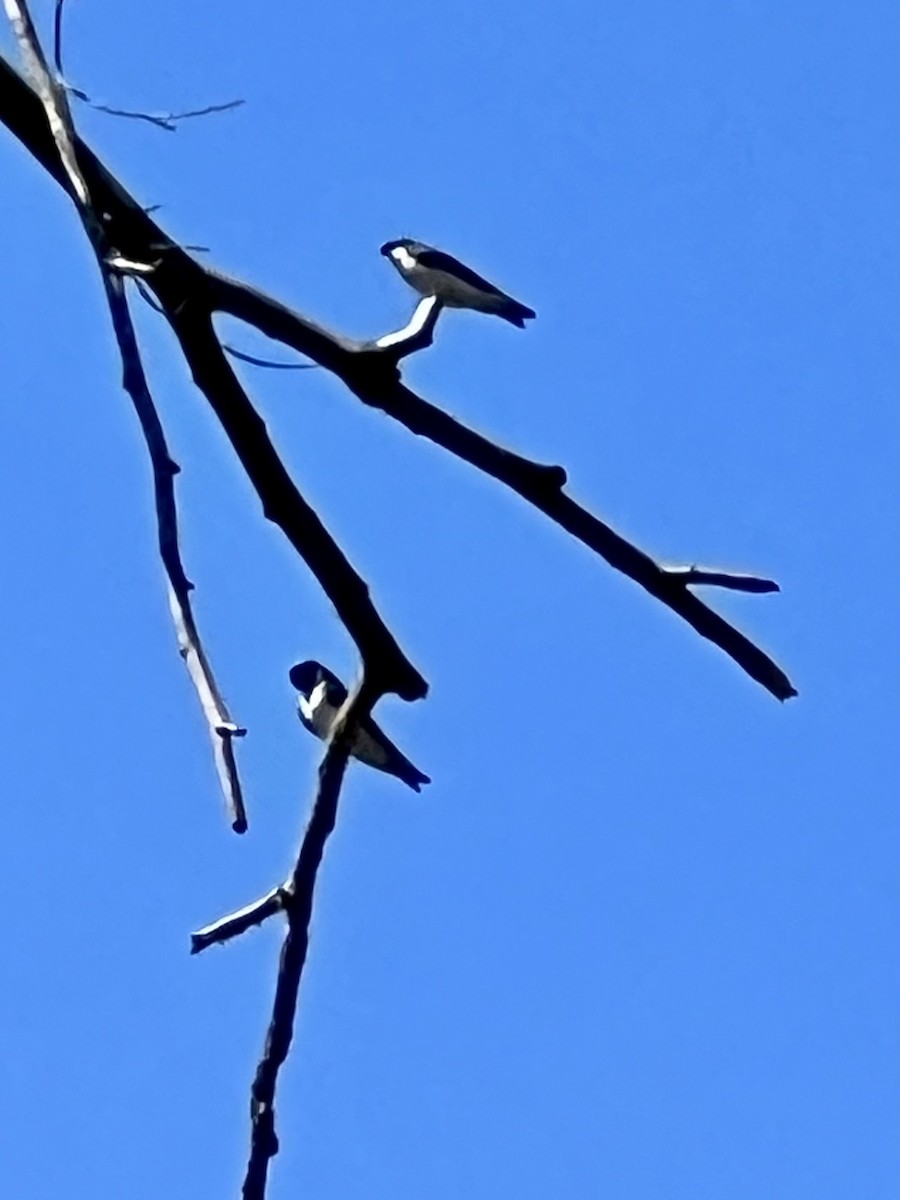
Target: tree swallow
x,y
434,273
321,695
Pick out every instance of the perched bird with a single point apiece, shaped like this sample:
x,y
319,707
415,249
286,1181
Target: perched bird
x,y
434,273
321,695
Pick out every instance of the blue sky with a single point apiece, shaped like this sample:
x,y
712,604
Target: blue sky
x,y
639,938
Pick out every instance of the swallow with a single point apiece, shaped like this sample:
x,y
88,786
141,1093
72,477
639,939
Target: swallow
x,y
434,273
321,695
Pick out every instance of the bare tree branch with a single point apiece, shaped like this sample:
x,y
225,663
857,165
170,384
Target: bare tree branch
x,y
299,893
540,484
222,728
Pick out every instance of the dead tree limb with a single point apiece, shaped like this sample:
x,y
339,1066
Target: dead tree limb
x,y
370,370
127,241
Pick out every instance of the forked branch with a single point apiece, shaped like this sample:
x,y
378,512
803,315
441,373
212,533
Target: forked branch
x,y
371,372
127,241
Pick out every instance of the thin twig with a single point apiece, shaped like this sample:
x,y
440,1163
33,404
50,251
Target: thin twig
x,y
166,121
730,580
263,1137
147,297
267,362
239,922
222,728
57,37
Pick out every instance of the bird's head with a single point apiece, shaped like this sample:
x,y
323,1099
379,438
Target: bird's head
x,y
400,244
306,675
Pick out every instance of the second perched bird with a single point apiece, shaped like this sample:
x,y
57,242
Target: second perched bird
x,y
321,695
434,273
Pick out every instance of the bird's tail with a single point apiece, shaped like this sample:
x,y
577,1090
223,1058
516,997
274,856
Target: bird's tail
x,y
413,777
517,314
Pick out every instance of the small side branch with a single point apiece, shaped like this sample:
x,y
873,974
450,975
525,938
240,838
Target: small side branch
x,y
730,580
166,121
242,356
417,335
239,922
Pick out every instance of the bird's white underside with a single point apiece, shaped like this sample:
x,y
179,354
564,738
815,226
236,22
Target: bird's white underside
x,y
314,710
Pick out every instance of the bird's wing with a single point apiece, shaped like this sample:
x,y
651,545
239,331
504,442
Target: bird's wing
x,y
380,752
437,260
335,692
372,726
